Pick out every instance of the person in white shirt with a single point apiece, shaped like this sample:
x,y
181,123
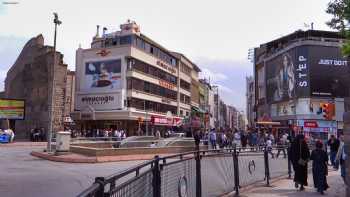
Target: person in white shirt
x,y
237,139
269,147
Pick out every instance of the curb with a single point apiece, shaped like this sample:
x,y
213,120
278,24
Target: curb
x,y
60,159
55,158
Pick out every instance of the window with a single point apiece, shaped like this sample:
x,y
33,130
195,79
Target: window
x,y
181,112
185,85
125,40
185,69
154,71
187,113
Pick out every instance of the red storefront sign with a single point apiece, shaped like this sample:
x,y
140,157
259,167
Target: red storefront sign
x,y
163,121
310,124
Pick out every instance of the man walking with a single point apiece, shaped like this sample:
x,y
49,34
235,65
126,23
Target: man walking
x,y
341,158
212,138
333,143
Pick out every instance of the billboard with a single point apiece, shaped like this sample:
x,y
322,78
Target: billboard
x,y
329,72
307,71
12,109
287,75
102,76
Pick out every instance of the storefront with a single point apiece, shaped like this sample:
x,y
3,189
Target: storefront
x,y
318,129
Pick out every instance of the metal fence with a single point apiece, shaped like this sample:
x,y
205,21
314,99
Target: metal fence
x,y
194,174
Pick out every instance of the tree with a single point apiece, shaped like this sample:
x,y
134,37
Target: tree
x,y
340,9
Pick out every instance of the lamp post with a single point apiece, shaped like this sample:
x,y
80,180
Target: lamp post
x,y
57,22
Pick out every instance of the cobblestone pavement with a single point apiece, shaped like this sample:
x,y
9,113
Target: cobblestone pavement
x,y
285,188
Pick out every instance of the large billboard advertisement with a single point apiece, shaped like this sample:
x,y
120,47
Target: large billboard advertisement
x,y
102,76
307,71
329,72
287,75
12,109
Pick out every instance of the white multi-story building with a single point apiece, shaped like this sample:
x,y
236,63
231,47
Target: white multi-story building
x,y
126,81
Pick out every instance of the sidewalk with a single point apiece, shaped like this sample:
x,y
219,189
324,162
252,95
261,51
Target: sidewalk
x,y
285,188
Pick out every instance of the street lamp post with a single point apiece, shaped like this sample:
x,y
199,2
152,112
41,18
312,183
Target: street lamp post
x,y
57,22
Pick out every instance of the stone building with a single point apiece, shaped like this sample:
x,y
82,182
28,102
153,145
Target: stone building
x,y
30,78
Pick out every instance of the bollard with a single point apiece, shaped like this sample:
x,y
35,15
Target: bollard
x,y
236,170
267,168
198,175
156,178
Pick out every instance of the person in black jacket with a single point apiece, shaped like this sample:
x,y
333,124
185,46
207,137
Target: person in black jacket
x,y
319,167
334,143
299,156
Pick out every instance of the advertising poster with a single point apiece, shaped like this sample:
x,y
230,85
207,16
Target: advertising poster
x,y
281,78
12,109
102,76
329,72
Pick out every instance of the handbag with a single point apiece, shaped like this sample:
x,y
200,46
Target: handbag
x,y
301,161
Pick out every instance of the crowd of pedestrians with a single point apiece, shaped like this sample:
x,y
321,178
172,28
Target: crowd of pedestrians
x,y
300,157
303,150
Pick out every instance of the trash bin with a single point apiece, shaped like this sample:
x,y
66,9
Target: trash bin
x,y
62,141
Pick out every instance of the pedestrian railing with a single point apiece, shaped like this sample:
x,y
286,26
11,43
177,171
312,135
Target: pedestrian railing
x,y
194,174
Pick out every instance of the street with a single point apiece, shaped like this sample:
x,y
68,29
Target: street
x,y
25,175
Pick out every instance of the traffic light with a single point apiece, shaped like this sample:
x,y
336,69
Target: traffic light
x,y
328,110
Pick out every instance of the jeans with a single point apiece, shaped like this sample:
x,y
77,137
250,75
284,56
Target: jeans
x,y
342,170
333,160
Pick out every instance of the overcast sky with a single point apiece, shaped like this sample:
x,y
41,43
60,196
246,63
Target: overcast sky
x,y
214,34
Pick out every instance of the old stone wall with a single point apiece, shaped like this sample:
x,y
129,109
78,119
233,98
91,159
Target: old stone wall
x,y
30,78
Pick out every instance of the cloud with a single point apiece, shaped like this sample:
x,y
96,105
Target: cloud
x,y
213,76
230,76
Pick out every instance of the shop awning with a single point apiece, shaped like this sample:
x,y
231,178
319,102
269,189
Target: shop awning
x,y
268,123
197,109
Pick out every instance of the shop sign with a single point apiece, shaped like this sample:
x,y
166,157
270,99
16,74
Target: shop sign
x,y
166,67
159,120
99,101
167,85
310,124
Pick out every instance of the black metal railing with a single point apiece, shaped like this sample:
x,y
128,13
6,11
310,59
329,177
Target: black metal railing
x,y
194,174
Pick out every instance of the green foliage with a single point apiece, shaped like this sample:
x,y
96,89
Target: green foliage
x,y
340,9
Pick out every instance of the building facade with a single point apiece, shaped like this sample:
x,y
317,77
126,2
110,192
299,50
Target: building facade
x,y
296,75
128,81
250,99
31,79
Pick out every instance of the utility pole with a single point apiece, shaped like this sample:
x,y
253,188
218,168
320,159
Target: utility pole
x,y
57,22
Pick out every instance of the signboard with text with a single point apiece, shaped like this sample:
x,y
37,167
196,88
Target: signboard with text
x,y
99,101
12,109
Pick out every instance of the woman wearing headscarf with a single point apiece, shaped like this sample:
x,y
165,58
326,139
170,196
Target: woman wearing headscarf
x,y
319,167
299,156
